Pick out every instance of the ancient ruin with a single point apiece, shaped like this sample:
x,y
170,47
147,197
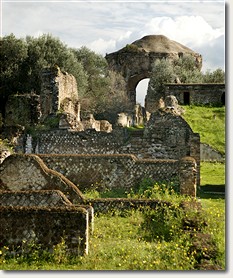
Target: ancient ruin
x,y
42,184
135,61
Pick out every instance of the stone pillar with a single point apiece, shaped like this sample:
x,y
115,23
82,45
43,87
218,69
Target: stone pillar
x,y
187,176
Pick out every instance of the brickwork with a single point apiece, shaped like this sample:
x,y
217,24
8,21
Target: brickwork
x,y
39,198
122,204
166,136
29,173
46,227
187,177
110,171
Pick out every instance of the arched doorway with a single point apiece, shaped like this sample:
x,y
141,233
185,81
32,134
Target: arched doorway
x,y
141,91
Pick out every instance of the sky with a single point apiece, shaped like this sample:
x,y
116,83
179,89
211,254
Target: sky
x,y
107,26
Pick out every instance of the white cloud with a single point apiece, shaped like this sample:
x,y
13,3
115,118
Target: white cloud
x,y
102,46
107,27
189,30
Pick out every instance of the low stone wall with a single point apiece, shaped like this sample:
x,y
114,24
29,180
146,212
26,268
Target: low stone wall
x,y
43,226
111,171
102,205
40,198
207,153
28,172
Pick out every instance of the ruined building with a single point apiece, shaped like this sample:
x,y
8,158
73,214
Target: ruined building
x,y
41,191
135,62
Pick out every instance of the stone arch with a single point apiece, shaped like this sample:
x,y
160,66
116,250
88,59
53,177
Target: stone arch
x,y
132,85
141,91
135,61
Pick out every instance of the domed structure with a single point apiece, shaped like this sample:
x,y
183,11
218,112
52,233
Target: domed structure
x,y
161,44
135,61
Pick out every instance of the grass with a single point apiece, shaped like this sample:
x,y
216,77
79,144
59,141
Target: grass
x,y
212,173
209,122
135,241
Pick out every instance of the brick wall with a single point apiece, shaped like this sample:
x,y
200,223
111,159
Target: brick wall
x,y
110,171
45,226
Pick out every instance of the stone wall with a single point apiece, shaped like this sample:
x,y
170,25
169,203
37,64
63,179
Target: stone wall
x,y
36,198
187,176
207,153
59,93
197,94
123,204
47,227
29,173
110,171
166,136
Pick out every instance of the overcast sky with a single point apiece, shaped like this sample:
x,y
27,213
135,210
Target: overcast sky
x,y
107,26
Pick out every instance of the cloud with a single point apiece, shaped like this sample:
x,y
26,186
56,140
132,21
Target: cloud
x,y
107,27
189,30
102,46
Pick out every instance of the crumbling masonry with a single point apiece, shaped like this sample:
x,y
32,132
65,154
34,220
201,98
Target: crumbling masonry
x,y
40,193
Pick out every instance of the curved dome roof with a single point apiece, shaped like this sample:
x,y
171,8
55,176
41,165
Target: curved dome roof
x,y
161,44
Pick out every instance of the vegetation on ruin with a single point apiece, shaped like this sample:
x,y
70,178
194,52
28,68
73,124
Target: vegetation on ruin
x,y
24,59
182,70
168,238
185,239
209,122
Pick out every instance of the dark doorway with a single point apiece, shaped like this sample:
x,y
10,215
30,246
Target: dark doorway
x,y
186,98
223,99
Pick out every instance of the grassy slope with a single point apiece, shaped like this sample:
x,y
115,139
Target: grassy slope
x,y
209,122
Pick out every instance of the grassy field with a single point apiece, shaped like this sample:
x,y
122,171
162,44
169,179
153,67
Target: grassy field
x,y
135,241
209,122
212,173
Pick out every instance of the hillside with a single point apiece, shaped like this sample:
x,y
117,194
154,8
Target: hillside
x,y
209,122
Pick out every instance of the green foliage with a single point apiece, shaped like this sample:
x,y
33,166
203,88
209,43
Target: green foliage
x,y
13,53
47,51
5,145
148,188
209,122
96,68
176,235
106,89
24,59
128,243
184,70
217,76
131,48
162,73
